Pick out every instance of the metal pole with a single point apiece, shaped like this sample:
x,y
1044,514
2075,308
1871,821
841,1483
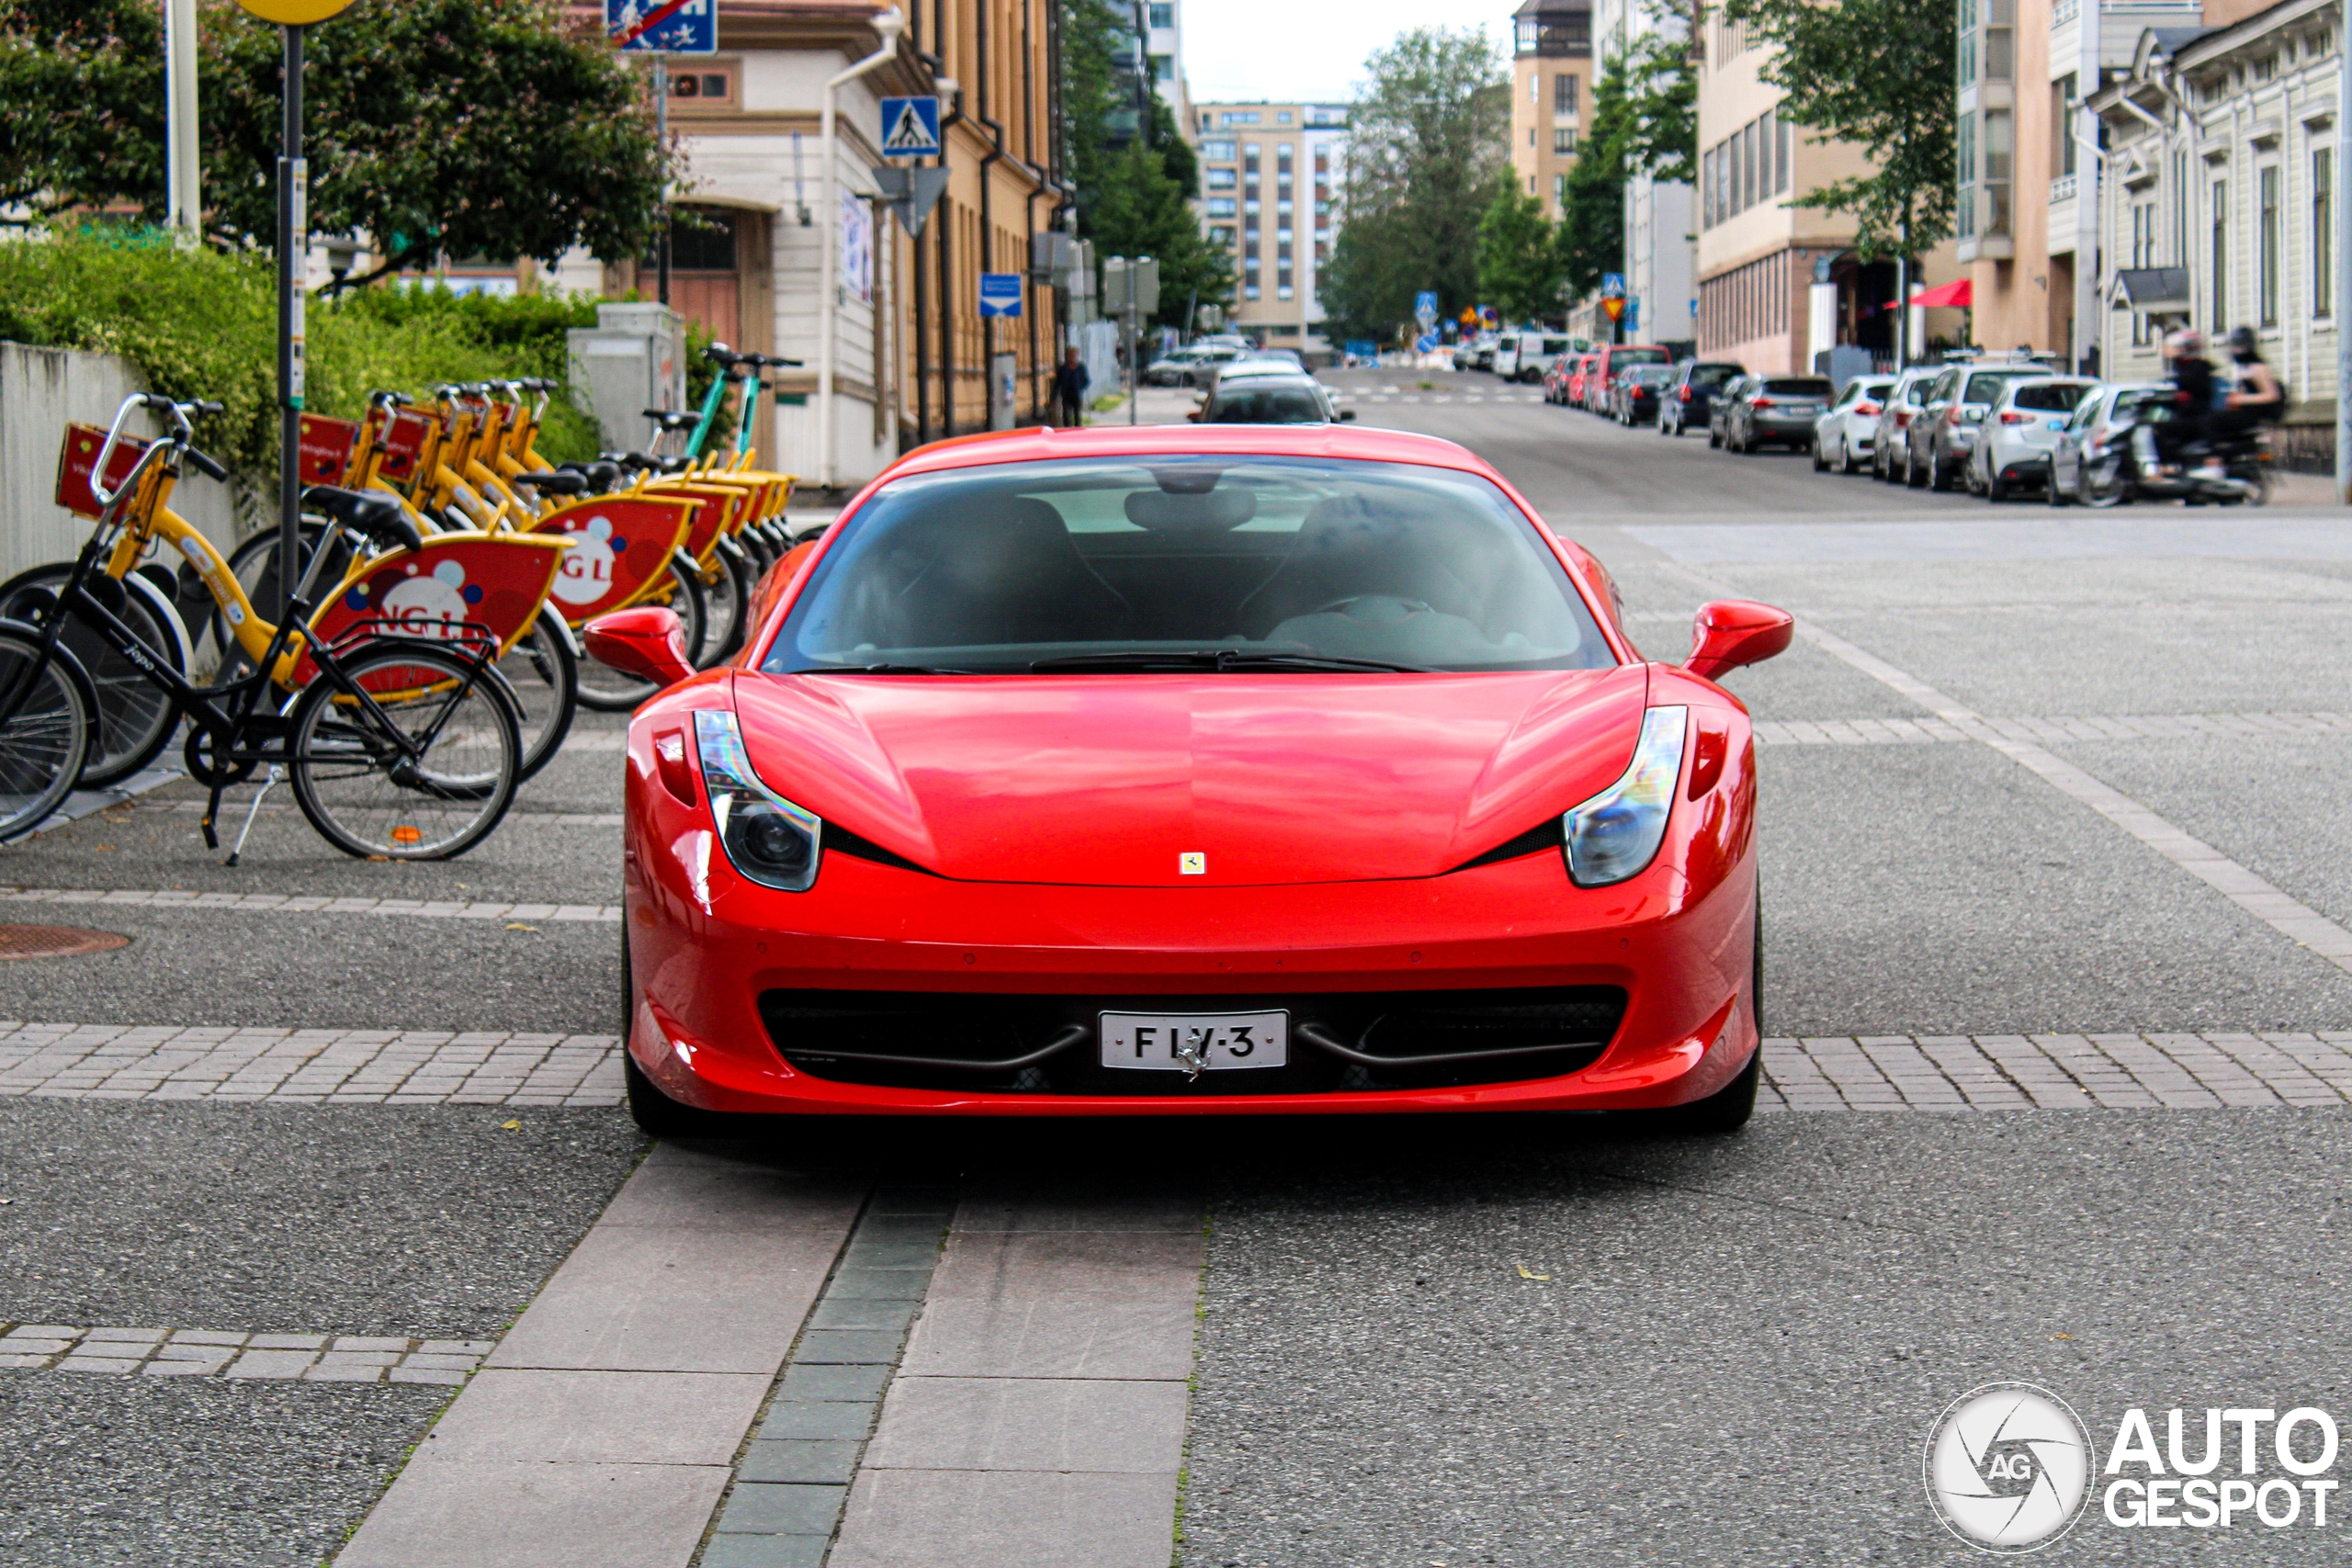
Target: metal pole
x,y
293,245
1135,377
827,264
662,140
2343,269
185,197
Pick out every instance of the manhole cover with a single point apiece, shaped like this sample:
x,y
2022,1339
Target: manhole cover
x,y
55,942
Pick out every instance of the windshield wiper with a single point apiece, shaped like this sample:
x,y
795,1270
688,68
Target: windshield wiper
x,y
878,670
1217,659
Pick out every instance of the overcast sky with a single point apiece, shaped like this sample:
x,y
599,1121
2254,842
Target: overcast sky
x,y
1305,51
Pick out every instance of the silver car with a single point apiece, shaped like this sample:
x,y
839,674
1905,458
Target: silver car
x,y
2096,424
1843,435
1952,414
1895,413
2019,431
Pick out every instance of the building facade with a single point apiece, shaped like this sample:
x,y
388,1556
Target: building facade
x,y
2221,208
1661,236
1779,285
1551,95
1270,177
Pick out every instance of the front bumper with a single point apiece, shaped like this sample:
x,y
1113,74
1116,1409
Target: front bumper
x,y
706,948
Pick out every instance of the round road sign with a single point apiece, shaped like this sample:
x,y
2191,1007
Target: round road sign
x,y
295,13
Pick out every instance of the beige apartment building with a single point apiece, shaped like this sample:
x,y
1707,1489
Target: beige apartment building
x,y
1271,176
1778,283
2027,184
1551,82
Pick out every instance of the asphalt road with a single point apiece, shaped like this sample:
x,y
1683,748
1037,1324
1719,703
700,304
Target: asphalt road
x,y
1733,1351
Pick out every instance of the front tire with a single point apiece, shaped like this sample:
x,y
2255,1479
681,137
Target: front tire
x,y
45,743
136,715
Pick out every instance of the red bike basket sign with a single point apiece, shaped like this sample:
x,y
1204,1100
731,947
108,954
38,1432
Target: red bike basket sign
x,y
326,449
80,455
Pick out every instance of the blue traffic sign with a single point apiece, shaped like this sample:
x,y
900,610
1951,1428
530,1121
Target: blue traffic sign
x,y
1612,286
1425,343
662,26
1425,302
911,127
999,294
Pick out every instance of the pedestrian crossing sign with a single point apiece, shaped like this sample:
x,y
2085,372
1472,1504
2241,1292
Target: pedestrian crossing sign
x,y
911,127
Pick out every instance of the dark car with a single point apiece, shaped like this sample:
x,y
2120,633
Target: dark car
x,y
1720,407
1687,398
1270,399
1634,399
1777,411
1613,360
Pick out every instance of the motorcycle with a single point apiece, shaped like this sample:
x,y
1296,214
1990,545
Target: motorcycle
x,y
2129,469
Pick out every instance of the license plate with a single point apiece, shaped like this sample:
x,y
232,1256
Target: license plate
x,y
1195,1043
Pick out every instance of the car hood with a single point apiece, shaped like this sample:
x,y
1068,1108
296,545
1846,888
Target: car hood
x,y
1107,780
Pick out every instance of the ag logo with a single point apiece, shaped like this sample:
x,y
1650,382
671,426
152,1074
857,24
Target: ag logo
x,y
2008,1467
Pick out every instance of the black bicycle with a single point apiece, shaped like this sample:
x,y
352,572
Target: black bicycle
x,y
396,747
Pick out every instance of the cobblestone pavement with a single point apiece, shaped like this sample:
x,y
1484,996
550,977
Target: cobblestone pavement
x,y
210,1352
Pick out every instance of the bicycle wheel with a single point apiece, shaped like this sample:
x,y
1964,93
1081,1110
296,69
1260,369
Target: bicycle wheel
x,y
606,690
255,565
136,715
52,723
542,674
353,771
727,590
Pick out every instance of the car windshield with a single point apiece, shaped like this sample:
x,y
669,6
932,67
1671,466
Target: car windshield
x,y
1268,405
1985,385
1637,356
1189,562
1714,376
1649,374
2059,397
1796,387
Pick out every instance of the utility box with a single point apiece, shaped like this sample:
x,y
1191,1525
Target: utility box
x,y
634,358
1005,390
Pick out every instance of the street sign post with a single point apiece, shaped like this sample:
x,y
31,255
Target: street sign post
x,y
911,127
1612,295
1131,289
910,193
999,294
293,252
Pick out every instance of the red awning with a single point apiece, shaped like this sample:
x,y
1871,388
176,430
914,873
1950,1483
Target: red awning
x,y
1958,293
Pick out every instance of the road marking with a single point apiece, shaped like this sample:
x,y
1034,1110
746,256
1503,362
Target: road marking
x,y
308,1066
234,1354
307,903
2056,729
2021,1072
2280,910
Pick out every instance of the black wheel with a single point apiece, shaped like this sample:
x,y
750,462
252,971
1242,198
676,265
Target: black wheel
x,y
255,565
1940,478
727,588
2050,490
606,690
136,715
2105,484
47,736
1996,491
542,675
351,768
1820,459
1714,438
1913,477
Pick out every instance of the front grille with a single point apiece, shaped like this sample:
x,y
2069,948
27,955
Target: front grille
x,y
1348,1041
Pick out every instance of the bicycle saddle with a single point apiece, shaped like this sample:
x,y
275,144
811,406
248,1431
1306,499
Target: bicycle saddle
x,y
370,513
557,484
664,419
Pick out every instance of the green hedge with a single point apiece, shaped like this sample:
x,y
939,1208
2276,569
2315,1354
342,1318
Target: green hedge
x,y
203,323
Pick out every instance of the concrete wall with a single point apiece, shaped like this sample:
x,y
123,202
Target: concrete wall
x,y
42,389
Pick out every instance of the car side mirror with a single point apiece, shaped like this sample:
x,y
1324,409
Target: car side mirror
x,y
647,642
1729,633
1347,414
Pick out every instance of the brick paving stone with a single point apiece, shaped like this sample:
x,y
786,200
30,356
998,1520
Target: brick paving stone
x,y
271,1364
112,1365
426,1375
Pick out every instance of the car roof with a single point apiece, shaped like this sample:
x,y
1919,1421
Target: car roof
x,y
1044,444
1291,378
1251,370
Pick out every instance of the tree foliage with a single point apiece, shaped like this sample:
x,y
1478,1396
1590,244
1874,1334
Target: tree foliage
x,y
458,127
1519,265
1661,92
1425,161
1878,73
1592,220
1134,198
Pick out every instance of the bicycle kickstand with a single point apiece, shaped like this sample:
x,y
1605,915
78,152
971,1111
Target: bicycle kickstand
x,y
212,814
268,784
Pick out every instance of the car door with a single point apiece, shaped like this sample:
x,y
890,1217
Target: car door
x,y
1932,404
2066,458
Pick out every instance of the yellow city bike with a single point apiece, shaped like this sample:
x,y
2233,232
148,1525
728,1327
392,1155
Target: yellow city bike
x,y
396,746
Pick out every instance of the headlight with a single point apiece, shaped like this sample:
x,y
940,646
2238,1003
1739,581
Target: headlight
x,y
1616,833
770,839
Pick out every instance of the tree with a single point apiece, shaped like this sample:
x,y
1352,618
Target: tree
x,y
1133,199
1661,90
1519,268
1877,73
1425,160
436,127
1592,220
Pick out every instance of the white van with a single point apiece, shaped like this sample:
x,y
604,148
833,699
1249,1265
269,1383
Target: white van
x,y
1525,356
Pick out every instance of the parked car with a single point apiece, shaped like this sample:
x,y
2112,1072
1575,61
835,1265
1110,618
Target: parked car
x,y
2020,430
1295,399
2099,420
1579,373
1534,354
943,917
1777,410
1895,413
1181,368
1719,407
1609,363
1474,353
1688,397
1842,439
1636,393
1953,409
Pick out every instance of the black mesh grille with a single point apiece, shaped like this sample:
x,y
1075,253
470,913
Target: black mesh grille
x,y
1048,1044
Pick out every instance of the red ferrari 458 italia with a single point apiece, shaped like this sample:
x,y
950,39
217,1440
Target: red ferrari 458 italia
x,y
1192,769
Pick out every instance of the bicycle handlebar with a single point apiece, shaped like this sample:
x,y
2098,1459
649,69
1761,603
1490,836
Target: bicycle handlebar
x,y
207,466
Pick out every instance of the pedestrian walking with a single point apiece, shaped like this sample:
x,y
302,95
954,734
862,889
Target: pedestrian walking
x,y
1070,390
